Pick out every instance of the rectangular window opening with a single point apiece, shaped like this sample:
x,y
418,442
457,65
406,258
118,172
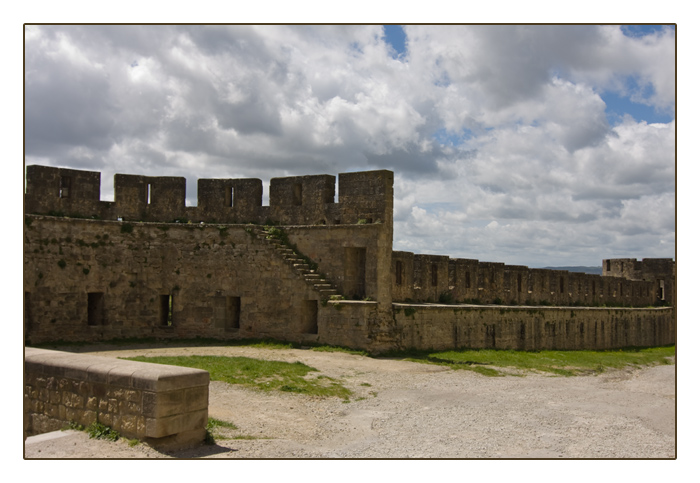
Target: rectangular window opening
x,y
296,201
148,194
166,310
233,313
399,272
354,268
468,280
607,265
96,308
310,317
230,197
64,190
662,295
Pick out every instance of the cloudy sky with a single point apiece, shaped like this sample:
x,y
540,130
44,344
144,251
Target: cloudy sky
x,y
529,145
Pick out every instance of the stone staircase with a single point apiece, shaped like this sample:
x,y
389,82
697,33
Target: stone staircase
x,y
297,262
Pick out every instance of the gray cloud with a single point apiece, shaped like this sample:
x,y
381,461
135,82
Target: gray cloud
x,y
498,134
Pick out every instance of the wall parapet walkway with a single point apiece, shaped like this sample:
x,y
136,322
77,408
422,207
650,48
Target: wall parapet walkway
x,y
165,406
432,278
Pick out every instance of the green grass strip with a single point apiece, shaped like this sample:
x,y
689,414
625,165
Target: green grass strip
x,y
564,363
260,374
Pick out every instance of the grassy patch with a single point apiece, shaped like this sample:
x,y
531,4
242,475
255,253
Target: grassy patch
x,y
148,342
218,429
328,348
259,374
100,431
96,431
563,363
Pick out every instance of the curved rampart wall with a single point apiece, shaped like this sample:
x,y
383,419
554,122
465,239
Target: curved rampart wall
x,y
433,278
443,327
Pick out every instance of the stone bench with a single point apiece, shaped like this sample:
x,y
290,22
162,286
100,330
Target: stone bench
x,y
164,406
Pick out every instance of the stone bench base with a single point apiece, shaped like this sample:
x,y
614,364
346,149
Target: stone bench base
x,y
164,406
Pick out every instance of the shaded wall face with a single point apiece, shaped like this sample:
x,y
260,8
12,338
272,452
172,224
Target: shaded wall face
x,y
229,200
149,198
304,200
402,277
464,276
442,328
61,190
431,277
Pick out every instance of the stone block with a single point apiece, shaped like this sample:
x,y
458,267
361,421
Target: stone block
x,y
106,418
128,424
92,403
166,426
128,407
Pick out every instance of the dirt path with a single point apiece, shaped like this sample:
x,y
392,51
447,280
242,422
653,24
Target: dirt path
x,y
408,410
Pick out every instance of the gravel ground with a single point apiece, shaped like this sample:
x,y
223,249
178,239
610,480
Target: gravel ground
x,y
403,409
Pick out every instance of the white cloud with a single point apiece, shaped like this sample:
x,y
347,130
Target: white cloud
x,y
498,134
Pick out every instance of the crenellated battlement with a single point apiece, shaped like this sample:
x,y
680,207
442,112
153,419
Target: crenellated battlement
x,y
625,282
298,200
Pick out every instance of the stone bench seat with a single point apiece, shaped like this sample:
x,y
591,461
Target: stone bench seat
x,y
165,406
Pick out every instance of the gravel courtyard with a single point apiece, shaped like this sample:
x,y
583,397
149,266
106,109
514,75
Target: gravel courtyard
x,y
403,409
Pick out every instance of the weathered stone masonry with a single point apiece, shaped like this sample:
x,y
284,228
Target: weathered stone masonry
x,y
165,406
146,265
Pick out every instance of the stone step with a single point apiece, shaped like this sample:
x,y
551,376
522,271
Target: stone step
x,y
300,265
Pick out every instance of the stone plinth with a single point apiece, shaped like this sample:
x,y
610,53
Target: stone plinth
x,y
165,406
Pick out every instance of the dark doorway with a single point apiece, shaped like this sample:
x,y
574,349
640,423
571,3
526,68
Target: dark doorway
x,y
166,310
96,308
309,321
355,261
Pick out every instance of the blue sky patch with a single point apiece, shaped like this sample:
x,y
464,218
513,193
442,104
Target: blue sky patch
x,y
395,36
451,138
617,105
642,30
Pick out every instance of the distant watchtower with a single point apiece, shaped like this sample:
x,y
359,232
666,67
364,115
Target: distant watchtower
x,y
660,271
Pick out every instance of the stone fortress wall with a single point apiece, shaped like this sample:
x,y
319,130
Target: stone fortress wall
x,y
434,278
305,268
